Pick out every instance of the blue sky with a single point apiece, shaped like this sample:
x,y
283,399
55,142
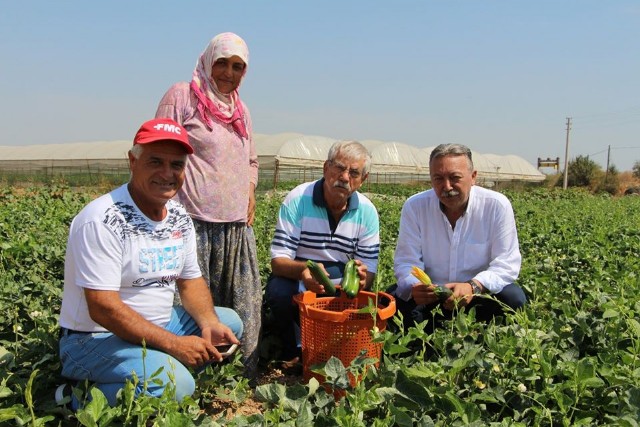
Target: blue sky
x,y
499,76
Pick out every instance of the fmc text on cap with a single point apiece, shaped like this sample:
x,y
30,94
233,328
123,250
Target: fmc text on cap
x,y
162,130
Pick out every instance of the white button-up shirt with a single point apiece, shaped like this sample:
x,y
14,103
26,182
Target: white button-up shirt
x,y
482,246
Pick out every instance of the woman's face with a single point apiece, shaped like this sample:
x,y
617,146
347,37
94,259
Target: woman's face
x,y
227,73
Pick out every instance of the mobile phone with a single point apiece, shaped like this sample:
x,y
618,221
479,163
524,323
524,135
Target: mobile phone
x,y
226,350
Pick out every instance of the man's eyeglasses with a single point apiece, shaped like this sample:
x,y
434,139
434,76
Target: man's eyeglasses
x,y
340,168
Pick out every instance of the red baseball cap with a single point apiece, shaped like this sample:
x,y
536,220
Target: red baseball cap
x,y
162,130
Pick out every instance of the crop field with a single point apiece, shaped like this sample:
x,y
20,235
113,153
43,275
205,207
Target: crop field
x,y
570,358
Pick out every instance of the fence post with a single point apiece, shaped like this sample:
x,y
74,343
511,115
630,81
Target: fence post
x,y
275,175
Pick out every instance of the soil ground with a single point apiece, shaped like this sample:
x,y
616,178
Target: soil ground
x,y
268,375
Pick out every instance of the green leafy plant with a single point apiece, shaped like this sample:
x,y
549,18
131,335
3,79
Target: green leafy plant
x,y
570,357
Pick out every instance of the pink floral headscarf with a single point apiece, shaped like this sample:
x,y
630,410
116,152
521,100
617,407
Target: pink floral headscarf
x,y
211,102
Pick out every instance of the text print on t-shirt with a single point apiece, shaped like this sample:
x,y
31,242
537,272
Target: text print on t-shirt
x,y
154,260
163,282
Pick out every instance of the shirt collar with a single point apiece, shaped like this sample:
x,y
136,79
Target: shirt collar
x,y
318,196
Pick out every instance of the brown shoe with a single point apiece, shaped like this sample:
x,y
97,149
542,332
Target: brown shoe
x,y
292,367
287,364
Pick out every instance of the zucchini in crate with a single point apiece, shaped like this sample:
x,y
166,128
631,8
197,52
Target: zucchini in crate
x,y
321,277
350,280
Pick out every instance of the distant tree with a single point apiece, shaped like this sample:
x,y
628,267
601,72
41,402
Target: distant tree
x,y
610,182
582,171
636,169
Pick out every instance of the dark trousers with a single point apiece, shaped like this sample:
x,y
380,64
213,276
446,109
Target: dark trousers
x,y
486,308
285,313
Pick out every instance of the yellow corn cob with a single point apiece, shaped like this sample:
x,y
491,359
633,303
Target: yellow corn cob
x,y
421,275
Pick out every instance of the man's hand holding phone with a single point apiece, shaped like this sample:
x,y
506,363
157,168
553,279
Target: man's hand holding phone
x,y
227,350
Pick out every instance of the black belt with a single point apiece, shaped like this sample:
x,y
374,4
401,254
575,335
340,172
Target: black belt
x,y
65,331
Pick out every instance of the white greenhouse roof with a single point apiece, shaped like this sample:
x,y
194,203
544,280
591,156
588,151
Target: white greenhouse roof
x,y
289,150
101,150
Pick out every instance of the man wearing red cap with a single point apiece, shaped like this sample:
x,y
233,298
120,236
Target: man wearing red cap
x,y
128,252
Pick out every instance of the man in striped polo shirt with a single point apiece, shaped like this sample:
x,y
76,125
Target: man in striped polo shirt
x,y
329,222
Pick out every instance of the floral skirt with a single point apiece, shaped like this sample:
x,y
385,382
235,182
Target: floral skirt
x,y
228,260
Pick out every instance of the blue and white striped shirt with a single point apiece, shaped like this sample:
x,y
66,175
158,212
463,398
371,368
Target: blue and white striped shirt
x,y
304,231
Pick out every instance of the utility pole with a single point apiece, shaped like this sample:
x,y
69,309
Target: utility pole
x,y
566,156
606,172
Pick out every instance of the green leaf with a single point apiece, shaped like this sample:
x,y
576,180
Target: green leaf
x,y
13,413
419,371
401,418
334,367
586,370
313,385
564,401
468,357
394,349
593,382
387,393
271,393
92,412
175,419
5,356
28,396
5,391
366,310
304,414
634,325
413,390
455,401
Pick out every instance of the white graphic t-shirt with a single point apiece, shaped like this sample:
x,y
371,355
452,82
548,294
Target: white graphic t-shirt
x,y
113,246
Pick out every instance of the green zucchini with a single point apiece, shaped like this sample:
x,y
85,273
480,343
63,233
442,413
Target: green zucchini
x,y
442,292
350,280
321,277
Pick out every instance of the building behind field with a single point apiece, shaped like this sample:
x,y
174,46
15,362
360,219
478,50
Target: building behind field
x,y
283,157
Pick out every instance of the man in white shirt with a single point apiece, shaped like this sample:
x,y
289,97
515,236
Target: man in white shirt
x,y
463,236
128,252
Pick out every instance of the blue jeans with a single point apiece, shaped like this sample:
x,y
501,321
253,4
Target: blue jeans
x,y
109,361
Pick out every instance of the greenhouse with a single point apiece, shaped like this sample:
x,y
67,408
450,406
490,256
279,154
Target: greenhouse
x,y
282,157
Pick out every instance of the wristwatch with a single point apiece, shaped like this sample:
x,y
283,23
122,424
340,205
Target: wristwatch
x,y
475,288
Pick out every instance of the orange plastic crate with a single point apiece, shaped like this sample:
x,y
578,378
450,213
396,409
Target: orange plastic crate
x,y
332,326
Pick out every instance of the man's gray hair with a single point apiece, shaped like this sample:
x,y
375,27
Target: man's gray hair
x,y
136,150
352,150
443,150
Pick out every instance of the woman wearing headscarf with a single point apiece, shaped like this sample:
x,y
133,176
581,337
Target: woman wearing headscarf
x,y
221,178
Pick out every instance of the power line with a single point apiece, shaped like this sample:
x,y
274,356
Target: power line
x,y
612,148
634,109
599,152
619,148
607,124
614,118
